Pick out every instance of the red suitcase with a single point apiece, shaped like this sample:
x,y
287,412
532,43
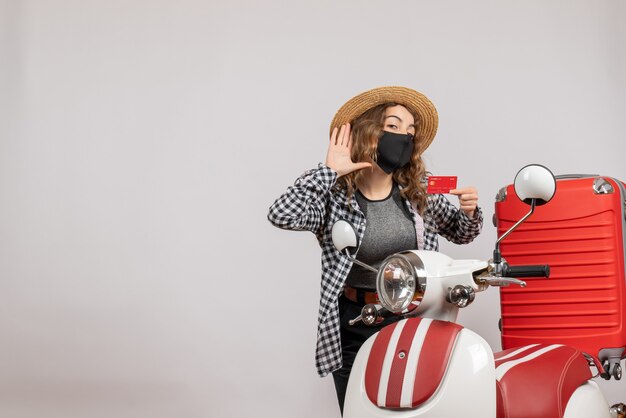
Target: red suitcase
x,y
580,234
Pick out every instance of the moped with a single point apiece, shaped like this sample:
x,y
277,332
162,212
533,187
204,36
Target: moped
x,y
426,365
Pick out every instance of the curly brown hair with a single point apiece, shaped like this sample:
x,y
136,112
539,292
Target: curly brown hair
x,y
366,130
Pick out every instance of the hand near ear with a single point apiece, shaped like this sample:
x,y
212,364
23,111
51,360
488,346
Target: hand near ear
x,y
338,157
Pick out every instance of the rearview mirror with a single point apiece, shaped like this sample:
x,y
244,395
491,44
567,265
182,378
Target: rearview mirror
x,y
344,236
535,182
534,185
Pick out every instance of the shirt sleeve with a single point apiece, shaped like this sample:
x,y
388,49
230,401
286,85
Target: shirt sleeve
x,y
452,223
303,206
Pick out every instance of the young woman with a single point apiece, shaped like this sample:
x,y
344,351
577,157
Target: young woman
x,y
374,178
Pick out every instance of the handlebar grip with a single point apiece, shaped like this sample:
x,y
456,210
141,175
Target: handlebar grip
x,y
527,271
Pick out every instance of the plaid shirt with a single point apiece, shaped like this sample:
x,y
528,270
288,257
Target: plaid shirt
x,y
313,204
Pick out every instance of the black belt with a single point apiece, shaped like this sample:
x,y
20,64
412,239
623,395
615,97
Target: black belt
x,y
360,296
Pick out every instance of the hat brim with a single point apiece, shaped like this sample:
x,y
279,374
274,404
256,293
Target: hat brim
x,y
411,99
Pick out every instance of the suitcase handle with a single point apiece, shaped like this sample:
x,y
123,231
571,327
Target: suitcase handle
x,y
527,271
575,176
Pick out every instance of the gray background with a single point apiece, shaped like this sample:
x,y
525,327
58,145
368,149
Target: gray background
x,y
141,143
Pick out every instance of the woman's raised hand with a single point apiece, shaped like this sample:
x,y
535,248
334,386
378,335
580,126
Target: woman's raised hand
x,y
338,156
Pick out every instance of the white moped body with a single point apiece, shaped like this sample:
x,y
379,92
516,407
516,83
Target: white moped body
x,y
472,361
467,384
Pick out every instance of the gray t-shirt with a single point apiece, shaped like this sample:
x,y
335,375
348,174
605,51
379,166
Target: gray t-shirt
x,y
389,229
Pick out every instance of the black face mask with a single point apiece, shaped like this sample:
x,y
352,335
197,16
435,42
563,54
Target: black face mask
x,y
394,151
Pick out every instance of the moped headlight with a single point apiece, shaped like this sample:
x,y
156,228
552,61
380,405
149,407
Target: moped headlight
x,y
401,279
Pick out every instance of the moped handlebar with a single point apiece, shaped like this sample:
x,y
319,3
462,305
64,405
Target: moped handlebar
x,y
526,271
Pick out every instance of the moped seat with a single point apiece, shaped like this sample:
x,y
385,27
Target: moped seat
x,y
537,380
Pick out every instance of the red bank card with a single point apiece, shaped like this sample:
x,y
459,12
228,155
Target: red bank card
x,y
441,184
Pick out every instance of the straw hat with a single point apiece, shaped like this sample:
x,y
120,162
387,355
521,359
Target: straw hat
x,y
411,99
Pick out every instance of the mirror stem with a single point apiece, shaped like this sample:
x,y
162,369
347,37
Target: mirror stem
x,y
496,253
354,260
